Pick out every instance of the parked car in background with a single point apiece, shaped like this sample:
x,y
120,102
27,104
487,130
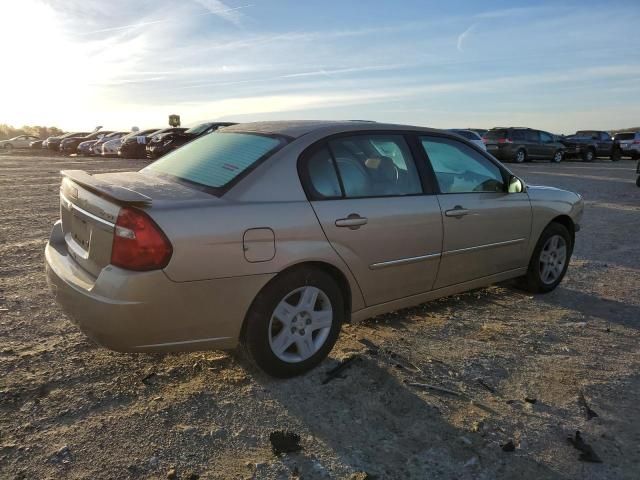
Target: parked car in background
x,y
629,143
135,146
110,148
161,144
275,233
53,143
479,131
590,144
36,145
21,141
96,148
470,135
70,145
84,148
519,144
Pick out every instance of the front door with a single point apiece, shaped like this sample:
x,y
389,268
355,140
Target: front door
x,y
548,145
369,199
486,229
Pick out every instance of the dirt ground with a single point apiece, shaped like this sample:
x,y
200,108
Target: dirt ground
x,y
528,369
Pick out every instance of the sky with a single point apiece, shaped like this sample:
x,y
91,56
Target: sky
x,y
557,66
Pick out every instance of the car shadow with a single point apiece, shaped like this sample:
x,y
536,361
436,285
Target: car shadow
x,y
594,306
378,425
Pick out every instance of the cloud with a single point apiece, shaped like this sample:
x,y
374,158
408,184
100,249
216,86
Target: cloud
x,y
216,7
463,36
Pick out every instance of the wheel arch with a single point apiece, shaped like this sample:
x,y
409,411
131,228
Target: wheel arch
x,y
567,222
331,270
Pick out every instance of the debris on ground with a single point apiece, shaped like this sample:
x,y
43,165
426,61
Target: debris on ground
x,y
508,447
530,400
284,442
338,369
588,454
486,385
587,409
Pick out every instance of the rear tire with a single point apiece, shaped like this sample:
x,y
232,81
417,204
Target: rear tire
x,y
549,261
557,157
288,330
589,155
520,156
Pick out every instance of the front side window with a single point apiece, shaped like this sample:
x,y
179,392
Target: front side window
x,y
545,137
215,160
461,169
375,166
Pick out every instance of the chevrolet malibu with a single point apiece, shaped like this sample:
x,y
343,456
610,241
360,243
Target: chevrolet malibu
x,y
271,235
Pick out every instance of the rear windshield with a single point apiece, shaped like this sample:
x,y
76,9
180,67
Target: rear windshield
x,y
215,160
625,136
467,134
496,133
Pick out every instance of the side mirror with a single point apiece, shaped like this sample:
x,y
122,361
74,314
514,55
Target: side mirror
x,y
515,185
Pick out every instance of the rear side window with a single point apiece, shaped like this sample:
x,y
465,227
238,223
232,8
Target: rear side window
x,y
322,174
360,166
625,136
518,135
215,160
375,166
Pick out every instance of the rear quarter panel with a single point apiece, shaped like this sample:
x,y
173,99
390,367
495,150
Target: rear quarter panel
x,y
207,238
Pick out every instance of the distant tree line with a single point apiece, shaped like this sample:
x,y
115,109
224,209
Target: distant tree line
x,y
7,131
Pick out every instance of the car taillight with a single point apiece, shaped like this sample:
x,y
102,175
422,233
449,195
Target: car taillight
x,y
504,140
636,142
138,243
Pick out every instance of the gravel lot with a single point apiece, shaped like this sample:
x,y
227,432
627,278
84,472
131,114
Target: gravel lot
x,y
528,368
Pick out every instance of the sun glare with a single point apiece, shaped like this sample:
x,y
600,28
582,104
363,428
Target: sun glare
x,y
36,81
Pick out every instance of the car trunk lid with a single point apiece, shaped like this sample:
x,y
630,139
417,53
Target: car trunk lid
x,y
89,207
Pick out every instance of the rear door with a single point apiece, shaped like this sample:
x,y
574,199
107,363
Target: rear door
x,y
371,204
486,229
534,147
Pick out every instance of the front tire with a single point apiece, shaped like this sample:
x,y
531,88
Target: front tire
x,y
520,156
549,261
294,322
557,157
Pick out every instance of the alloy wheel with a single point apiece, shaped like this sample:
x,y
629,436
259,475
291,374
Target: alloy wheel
x,y
520,156
553,258
300,324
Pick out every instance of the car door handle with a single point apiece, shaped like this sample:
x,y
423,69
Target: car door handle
x,y
457,212
353,221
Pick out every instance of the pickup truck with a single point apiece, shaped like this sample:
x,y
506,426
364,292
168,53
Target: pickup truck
x,y
590,144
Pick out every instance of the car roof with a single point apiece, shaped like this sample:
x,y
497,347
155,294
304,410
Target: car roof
x,y
298,128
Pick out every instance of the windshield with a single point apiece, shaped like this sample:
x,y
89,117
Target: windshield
x,y
198,129
214,161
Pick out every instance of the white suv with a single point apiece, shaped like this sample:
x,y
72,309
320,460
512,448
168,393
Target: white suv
x,y
629,144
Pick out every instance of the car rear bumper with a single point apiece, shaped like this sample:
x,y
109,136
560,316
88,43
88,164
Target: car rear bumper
x,y
146,311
